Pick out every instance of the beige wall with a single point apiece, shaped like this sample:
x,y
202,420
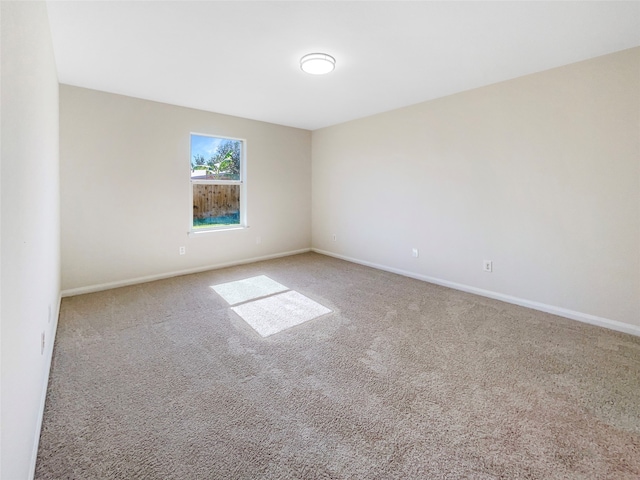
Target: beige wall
x,y
540,174
125,189
30,252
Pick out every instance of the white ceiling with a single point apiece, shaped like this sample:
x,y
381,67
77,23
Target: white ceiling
x,y
242,58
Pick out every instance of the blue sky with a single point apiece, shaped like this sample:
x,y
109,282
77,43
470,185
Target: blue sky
x,y
202,145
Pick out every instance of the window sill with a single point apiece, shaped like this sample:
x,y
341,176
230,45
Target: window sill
x,y
196,233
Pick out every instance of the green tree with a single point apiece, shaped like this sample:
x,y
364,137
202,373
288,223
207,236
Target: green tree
x,y
225,161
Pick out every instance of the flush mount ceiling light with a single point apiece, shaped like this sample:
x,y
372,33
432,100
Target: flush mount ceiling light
x,y
317,63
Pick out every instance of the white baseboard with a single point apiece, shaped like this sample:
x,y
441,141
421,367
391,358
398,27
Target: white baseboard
x,y
150,278
562,312
45,387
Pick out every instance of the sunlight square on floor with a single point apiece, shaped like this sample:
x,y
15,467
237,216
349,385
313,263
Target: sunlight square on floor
x,y
248,289
274,314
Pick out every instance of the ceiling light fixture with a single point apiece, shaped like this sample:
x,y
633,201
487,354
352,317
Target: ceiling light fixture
x,y
317,63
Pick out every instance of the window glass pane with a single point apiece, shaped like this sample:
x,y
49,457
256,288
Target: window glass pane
x,y
216,205
214,158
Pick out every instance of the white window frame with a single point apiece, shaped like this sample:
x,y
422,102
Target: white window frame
x,y
242,182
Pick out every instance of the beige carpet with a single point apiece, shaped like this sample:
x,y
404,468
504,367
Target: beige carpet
x,y
403,380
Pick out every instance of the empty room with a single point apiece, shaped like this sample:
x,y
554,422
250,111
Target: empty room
x,y
337,240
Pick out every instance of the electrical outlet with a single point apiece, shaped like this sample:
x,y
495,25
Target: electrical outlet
x,y
183,250
414,253
334,237
487,266
258,240
42,343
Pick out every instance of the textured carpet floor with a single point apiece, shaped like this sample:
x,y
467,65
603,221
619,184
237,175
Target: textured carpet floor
x,y
403,380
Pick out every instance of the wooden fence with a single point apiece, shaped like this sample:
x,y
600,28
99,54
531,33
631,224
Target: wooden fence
x,y
215,200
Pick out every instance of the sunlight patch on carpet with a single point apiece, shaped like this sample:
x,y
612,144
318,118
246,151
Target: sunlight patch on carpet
x,y
248,289
273,314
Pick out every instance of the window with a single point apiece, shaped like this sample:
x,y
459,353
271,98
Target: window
x,y
217,182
